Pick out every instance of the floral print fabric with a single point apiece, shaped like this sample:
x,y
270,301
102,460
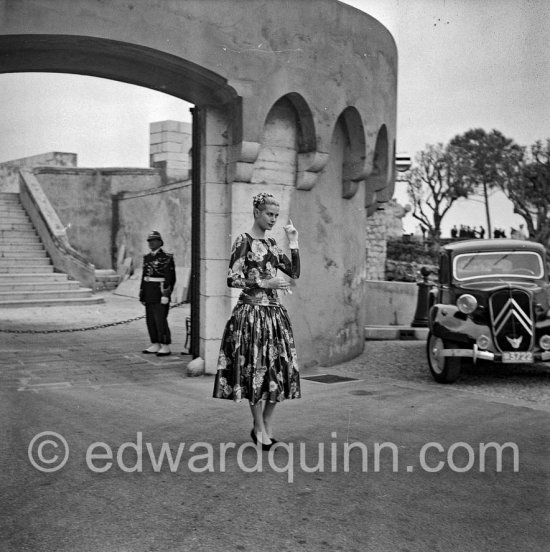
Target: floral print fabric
x,y
257,357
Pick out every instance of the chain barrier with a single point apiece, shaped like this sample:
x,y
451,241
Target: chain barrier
x,y
96,327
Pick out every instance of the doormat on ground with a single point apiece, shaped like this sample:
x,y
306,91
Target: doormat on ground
x,y
328,378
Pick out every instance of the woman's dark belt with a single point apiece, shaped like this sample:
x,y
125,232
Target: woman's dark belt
x,y
262,301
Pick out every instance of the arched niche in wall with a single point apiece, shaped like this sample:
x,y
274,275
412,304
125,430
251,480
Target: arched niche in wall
x,y
288,152
353,163
384,195
310,161
380,174
278,155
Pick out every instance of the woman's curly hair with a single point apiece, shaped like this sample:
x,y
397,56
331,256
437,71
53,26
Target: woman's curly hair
x,y
262,199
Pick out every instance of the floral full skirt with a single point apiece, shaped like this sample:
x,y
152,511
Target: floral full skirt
x,y
257,359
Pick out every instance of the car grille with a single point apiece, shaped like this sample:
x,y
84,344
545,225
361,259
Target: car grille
x,y
512,319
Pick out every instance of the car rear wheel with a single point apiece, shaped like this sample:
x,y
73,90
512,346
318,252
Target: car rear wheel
x,y
443,369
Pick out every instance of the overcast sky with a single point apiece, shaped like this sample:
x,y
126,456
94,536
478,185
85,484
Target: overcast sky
x,y
462,64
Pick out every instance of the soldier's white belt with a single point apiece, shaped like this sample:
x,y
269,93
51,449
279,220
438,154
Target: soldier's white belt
x,y
151,279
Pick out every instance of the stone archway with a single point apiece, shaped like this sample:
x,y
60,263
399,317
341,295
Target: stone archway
x,y
152,69
235,60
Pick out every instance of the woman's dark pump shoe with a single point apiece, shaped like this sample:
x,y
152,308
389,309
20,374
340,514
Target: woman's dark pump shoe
x,y
255,440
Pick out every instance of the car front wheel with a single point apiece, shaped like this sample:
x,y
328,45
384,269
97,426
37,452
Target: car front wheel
x,y
443,369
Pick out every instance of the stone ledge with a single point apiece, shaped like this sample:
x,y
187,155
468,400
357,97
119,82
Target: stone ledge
x,y
395,333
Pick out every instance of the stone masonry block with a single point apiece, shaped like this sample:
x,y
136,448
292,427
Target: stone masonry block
x,y
216,127
177,165
161,126
177,176
155,148
286,156
216,197
177,137
172,147
217,310
215,169
216,236
215,278
155,138
185,127
170,156
269,176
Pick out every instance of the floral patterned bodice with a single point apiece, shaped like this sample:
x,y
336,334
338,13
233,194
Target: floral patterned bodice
x,y
253,260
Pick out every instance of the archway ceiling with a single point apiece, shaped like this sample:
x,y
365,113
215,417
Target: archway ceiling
x,y
114,60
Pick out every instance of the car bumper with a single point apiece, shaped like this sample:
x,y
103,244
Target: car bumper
x,y
476,354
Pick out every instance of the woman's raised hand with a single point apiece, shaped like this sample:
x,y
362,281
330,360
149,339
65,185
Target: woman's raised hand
x,y
291,234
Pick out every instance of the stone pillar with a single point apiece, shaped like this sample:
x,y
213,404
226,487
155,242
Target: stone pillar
x,y
215,247
169,149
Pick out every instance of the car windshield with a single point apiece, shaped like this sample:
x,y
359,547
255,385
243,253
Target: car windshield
x,y
498,264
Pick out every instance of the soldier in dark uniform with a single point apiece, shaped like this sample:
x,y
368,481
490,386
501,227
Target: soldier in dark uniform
x,y
157,284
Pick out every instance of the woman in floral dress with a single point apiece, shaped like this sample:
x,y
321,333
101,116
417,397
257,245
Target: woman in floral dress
x,y
257,358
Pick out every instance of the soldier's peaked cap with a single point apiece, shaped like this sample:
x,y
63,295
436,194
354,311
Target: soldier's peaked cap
x,y
154,235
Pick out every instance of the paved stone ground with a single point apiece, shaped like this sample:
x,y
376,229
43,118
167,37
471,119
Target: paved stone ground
x,y
103,350
95,385
405,361
116,357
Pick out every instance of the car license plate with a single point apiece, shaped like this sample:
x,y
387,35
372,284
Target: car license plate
x,y
513,356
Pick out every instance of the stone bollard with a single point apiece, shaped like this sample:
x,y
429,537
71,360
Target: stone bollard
x,y
195,367
422,302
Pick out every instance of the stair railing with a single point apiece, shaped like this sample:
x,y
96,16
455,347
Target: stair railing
x,y
52,232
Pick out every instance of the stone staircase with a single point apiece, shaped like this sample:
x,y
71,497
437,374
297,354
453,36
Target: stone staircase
x,y
106,279
27,277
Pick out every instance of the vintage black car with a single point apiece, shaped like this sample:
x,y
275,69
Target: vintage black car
x,y
491,303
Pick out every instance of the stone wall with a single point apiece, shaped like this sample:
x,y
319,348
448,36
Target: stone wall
x,y
390,303
327,306
166,209
83,200
385,223
170,149
403,271
376,245
9,171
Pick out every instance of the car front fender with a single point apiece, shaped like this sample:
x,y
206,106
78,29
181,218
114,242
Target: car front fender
x,y
448,323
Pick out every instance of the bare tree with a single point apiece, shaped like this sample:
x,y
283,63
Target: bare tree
x,y
435,184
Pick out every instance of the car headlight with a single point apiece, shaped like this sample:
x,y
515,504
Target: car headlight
x,y
466,303
544,342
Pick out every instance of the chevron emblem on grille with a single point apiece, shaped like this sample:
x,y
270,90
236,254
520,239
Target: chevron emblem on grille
x,y
511,308
515,342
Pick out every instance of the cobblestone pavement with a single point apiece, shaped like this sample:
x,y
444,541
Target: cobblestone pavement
x,y
405,361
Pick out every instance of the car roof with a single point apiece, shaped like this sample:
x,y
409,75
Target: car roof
x,y
499,244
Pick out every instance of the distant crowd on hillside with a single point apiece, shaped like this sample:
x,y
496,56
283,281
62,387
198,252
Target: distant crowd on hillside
x,y
464,232
467,232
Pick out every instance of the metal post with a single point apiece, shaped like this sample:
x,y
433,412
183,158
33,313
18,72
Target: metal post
x,y
422,302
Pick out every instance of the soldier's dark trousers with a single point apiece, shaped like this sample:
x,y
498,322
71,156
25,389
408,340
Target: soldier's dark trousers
x,y
156,317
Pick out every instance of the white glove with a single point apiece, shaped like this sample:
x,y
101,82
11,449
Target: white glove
x,y
291,234
164,300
